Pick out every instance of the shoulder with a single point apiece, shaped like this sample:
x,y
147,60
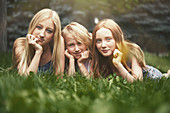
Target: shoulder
x,y
20,40
19,44
134,62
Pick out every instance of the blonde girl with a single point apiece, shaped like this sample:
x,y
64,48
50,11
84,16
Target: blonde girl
x,y
43,46
111,53
78,44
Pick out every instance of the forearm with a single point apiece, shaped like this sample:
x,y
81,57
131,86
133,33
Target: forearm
x,y
34,63
124,73
83,70
71,68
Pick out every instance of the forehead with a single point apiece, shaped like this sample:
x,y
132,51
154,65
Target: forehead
x,y
68,37
103,32
47,22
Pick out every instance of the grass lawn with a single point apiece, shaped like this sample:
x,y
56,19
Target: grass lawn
x,y
47,94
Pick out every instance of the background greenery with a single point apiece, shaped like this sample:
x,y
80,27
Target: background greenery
x,y
47,94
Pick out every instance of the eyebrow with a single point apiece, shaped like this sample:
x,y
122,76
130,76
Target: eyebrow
x,y
108,37
47,27
105,37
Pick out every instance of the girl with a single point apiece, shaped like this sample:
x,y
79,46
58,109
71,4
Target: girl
x,y
78,44
111,53
42,49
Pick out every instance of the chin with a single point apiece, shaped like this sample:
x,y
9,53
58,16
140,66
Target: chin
x,y
106,54
76,57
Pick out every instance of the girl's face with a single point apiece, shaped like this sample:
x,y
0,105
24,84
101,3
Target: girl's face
x,y
44,32
74,47
105,42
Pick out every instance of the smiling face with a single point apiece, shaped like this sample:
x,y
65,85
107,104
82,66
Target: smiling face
x,y
105,43
74,47
44,32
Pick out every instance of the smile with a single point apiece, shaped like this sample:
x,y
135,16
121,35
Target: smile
x,y
40,39
104,51
78,54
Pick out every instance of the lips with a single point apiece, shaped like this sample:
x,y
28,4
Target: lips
x,y
40,39
77,54
104,51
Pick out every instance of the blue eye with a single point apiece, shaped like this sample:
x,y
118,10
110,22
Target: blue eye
x,y
109,39
79,43
98,41
70,45
49,31
38,27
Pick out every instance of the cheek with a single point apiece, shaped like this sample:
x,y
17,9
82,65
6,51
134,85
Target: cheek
x,y
49,37
35,32
97,46
112,45
70,50
84,48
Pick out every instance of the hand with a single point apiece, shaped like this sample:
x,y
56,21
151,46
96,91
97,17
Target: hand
x,y
117,57
68,55
84,56
32,40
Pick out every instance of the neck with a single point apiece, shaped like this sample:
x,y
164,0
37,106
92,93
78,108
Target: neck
x,y
45,48
46,56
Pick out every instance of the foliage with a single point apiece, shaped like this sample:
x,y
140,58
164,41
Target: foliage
x,y
47,94
161,63
114,6
42,94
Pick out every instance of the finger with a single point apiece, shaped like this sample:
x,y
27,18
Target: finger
x,y
36,40
66,51
30,37
86,54
116,53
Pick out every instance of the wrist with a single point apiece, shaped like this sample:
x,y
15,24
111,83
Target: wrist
x,y
71,60
119,64
39,52
80,64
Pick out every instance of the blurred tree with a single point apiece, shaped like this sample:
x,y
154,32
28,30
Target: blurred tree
x,y
3,25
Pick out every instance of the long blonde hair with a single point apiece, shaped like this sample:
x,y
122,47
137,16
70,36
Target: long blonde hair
x,y
28,51
19,43
127,48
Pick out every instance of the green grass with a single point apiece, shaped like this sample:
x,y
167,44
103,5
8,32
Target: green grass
x,y
47,94
161,63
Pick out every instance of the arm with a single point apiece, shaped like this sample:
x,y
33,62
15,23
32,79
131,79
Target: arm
x,y
34,63
81,63
36,58
122,70
71,68
136,69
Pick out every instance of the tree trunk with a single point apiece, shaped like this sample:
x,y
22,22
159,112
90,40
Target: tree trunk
x,y
3,26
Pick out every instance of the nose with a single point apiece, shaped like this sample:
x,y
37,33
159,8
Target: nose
x,y
77,49
42,33
103,44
